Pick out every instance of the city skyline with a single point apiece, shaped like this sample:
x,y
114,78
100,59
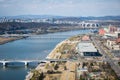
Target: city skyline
x,y
60,7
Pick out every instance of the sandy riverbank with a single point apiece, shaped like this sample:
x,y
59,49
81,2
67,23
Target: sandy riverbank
x,y
4,40
52,54
56,54
62,50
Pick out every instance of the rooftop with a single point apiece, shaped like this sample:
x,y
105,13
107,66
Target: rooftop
x,y
86,47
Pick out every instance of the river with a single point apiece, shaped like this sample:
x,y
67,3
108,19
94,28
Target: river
x,y
34,47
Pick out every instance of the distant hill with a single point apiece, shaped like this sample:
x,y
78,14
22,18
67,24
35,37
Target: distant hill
x,y
33,17
101,18
91,18
64,17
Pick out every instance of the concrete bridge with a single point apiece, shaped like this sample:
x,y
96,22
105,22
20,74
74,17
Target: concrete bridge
x,y
27,62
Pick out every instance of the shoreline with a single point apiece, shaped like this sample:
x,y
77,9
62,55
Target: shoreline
x,y
7,40
54,54
49,56
18,38
63,67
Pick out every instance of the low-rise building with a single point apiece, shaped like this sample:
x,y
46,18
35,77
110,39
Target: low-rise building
x,y
117,33
87,49
85,38
118,40
102,32
112,44
80,71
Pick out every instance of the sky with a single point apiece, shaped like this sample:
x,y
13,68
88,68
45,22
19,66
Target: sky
x,y
60,7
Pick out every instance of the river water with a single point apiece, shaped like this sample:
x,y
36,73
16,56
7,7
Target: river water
x,y
35,47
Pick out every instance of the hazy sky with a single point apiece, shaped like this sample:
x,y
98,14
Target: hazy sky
x,y
60,7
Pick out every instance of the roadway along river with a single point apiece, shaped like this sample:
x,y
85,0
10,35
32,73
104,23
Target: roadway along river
x,y
36,47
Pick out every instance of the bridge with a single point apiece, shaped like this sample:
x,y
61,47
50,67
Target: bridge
x,y
89,25
26,62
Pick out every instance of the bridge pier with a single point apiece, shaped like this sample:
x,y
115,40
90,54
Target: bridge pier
x,y
26,63
4,63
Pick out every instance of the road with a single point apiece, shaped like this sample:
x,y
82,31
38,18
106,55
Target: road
x,y
114,65
68,71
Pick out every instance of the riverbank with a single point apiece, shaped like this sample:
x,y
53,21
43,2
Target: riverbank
x,y
55,69
39,69
52,54
4,40
30,48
